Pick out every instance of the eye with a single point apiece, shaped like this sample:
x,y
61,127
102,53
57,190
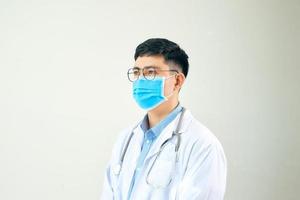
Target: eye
x,y
136,72
133,74
150,72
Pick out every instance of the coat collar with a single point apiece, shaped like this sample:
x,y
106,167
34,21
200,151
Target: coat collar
x,y
167,132
155,131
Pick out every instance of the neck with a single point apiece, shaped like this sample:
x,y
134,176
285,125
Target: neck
x,y
159,113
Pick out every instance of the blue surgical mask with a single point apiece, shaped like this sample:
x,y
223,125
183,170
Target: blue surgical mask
x,y
149,93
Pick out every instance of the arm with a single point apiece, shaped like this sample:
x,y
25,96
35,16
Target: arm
x,y
107,192
205,176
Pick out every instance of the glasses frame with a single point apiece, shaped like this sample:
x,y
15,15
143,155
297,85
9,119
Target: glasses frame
x,y
157,69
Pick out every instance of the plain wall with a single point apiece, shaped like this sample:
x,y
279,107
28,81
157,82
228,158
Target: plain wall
x,y
64,94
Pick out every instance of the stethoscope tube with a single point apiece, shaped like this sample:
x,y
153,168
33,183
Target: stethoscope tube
x,y
118,167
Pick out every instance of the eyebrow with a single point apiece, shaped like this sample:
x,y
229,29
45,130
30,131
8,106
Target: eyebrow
x,y
147,67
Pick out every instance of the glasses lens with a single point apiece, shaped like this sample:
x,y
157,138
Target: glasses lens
x,y
149,73
133,74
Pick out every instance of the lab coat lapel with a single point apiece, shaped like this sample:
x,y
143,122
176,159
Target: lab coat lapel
x,y
135,145
167,133
164,135
131,158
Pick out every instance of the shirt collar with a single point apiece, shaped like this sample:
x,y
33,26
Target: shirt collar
x,y
154,132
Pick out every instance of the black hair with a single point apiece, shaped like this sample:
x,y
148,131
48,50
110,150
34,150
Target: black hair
x,y
166,48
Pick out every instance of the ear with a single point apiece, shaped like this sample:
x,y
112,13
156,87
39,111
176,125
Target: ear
x,y
180,78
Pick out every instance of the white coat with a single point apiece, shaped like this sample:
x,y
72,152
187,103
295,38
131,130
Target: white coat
x,y
200,172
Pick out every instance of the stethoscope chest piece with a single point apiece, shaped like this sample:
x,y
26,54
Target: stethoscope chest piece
x,y
117,169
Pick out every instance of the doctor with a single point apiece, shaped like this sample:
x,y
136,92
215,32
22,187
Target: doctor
x,y
168,154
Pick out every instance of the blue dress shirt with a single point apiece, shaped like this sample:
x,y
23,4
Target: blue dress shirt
x,y
150,136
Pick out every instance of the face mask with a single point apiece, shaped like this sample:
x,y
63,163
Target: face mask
x,y
150,93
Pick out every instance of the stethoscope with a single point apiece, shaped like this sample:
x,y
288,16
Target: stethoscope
x,y
118,167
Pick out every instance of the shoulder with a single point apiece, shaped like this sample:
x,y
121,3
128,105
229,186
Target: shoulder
x,y
198,135
123,137
200,145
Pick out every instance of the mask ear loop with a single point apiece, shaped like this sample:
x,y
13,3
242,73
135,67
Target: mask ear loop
x,y
162,92
167,97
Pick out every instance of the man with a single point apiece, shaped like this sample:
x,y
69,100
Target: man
x,y
169,154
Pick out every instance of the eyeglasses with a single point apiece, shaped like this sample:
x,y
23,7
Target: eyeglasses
x,y
149,73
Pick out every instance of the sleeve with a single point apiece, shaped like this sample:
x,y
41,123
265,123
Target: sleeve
x,y
205,175
107,191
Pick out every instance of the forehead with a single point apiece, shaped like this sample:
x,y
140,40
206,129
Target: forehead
x,y
155,61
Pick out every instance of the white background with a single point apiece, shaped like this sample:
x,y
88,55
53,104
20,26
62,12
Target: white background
x,y
64,94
